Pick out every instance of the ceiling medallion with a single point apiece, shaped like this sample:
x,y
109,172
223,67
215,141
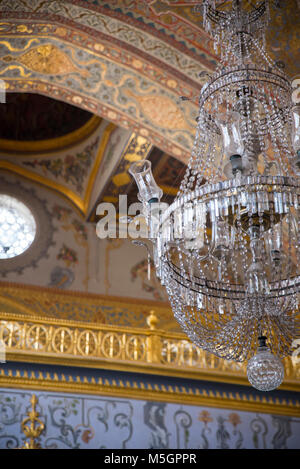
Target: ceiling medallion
x,y
227,249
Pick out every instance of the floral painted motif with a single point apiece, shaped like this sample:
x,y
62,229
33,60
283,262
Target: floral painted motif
x,y
61,213
28,116
75,421
205,417
234,419
80,229
68,255
73,169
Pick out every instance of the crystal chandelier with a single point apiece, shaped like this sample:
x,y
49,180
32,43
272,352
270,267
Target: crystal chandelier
x,y
228,248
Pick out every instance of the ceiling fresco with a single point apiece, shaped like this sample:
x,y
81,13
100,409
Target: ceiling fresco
x,y
105,64
67,164
128,61
184,18
92,87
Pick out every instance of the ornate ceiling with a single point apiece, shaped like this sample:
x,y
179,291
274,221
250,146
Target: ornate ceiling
x,y
93,86
127,62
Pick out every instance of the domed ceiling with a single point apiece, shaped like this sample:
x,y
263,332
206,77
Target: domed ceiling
x,y
127,61
32,117
62,147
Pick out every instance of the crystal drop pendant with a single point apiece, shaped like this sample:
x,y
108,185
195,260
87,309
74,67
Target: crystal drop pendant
x,y
264,370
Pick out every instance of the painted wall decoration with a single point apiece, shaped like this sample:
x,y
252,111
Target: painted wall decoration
x,y
94,77
73,421
168,173
55,262
116,179
115,151
48,302
78,57
68,255
61,213
185,22
125,273
79,260
72,169
61,277
131,31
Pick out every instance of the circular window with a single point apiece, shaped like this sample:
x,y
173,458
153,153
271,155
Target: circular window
x,y
17,227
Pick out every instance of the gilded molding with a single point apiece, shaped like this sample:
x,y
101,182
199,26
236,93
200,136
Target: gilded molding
x,y
150,351
39,380
136,149
32,426
105,139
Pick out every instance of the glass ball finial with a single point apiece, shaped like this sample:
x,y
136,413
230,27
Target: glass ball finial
x,y
264,370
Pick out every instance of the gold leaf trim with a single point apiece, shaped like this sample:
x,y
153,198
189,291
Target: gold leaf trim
x,y
153,392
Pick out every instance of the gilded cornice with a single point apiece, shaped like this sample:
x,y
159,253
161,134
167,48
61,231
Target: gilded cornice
x,y
136,350
150,391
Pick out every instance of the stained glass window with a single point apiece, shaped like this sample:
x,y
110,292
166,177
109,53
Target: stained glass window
x,y
17,227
